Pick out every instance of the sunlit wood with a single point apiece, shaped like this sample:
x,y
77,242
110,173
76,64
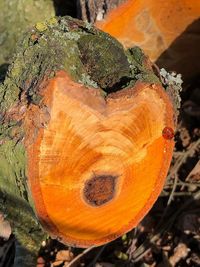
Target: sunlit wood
x,y
99,164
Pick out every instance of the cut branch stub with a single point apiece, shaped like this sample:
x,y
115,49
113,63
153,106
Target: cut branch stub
x,y
97,158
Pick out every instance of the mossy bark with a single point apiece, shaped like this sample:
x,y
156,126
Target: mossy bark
x,y
90,57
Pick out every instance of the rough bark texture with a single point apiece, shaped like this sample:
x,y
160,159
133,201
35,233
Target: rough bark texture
x,y
91,10
15,202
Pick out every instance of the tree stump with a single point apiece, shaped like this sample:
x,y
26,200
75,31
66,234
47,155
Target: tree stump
x,y
86,136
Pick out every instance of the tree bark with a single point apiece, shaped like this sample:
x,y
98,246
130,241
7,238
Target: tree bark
x,y
91,10
15,202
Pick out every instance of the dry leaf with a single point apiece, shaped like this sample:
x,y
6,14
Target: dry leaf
x,y
194,175
64,255
180,252
5,228
56,263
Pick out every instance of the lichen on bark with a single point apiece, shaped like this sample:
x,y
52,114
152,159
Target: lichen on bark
x,y
63,43
15,200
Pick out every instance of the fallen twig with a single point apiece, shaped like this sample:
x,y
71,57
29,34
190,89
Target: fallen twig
x,y
79,256
97,256
141,250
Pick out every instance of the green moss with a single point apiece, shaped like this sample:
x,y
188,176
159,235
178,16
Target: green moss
x,y
15,203
140,66
104,60
137,55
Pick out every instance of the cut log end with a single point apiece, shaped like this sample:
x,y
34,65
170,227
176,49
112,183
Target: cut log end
x,y
95,125
98,159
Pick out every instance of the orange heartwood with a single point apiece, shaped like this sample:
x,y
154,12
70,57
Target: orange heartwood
x,y
100,164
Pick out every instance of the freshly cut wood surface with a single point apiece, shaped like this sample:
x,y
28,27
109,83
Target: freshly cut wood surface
x,y
159,26
98,164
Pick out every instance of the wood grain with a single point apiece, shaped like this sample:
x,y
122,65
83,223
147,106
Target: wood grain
x,y
92,136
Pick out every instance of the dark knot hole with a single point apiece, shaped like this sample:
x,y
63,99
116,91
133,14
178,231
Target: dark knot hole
x,y
100,189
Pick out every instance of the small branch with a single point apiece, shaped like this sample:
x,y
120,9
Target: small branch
x,y
179,182
81,9
178,194
172,193
161,228
191,150
78,257
142,254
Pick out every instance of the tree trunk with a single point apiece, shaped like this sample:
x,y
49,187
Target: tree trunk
x,y
71,145
15,202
